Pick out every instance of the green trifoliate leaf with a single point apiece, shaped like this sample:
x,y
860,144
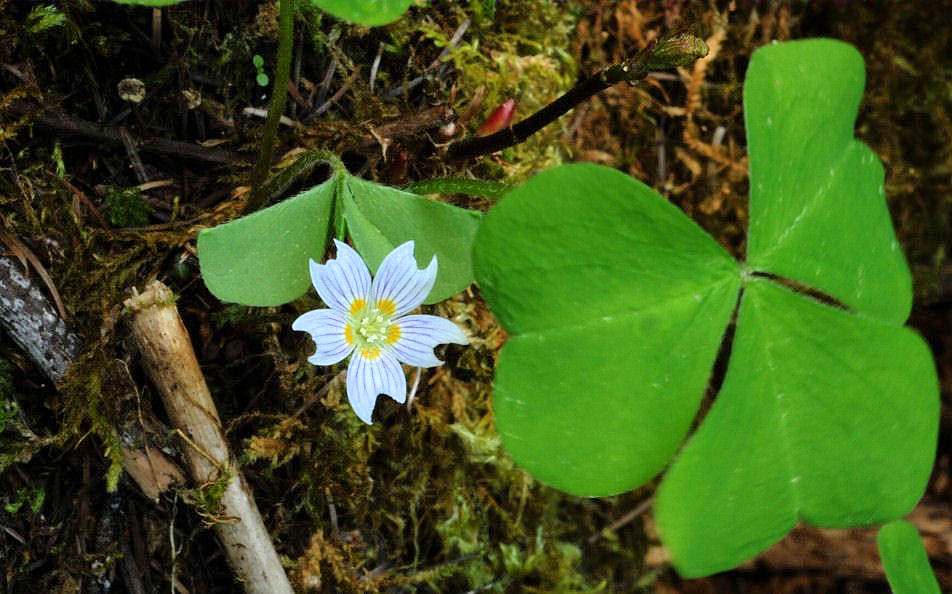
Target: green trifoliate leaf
x,y
817,213
617,304
825,416
262,259
905,559
371,13
380,218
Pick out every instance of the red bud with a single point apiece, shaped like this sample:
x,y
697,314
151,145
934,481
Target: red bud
x,y
500,118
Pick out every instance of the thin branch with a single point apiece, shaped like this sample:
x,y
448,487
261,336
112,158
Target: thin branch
x,y
670,52
59,120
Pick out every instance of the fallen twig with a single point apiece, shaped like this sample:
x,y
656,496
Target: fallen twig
x,y
59,120
170,361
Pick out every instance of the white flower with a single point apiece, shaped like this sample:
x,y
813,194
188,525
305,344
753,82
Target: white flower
x,y
369,320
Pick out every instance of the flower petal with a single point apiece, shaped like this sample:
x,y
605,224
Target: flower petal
x,y
342,279
369,377
419,334
326,327
399,284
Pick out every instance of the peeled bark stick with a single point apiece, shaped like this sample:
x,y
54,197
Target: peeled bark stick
x,y
171,364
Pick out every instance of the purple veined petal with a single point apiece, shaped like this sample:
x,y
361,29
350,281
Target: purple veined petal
x,y
343,279
368,377
400,286
327,330
419,334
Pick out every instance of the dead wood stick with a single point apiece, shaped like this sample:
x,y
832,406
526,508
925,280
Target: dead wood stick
x,y
32,322
171,364
63,122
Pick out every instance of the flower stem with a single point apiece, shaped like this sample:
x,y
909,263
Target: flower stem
x,y
279,94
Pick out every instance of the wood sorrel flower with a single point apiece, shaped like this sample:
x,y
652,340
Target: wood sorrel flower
x,y
368,318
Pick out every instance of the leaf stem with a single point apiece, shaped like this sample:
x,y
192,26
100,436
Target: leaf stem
x,y
669,52
279,94
281,181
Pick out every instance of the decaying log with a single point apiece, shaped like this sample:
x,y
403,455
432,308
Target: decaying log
x,y
169,359
32,322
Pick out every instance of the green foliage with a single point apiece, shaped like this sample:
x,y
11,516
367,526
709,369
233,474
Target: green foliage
x,y
905,559
6,385
206,498
381,218
260,77
126,208
534,48
548,262
617,304
262,259
57,158
371,13
817,214
17,441
8,412
839,414
44,17
33,497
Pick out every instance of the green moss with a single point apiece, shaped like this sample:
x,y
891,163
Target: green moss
x,y
524,56
126,208
206,498
32,497
42,18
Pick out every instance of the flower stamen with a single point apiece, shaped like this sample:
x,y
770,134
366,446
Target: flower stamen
x,y
372,328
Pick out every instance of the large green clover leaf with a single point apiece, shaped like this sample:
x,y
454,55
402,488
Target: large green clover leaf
x,y
365,12
616,324
261,259
817,213
824,416
828,413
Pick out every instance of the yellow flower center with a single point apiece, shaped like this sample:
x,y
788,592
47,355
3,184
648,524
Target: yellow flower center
x,y
370,327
